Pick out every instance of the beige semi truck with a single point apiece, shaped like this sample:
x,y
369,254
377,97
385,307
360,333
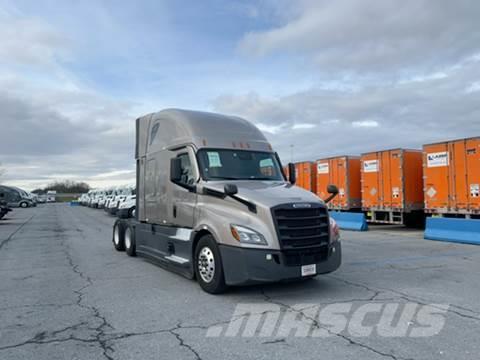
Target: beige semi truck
x,y
213,204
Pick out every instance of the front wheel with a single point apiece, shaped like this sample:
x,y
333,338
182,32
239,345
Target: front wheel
x,y
208,266
24,204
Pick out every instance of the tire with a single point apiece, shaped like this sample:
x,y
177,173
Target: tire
x,y
24,204
210,278
118,237
129,239
130,212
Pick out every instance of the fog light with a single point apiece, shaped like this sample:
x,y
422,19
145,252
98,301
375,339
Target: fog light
x,y
268,256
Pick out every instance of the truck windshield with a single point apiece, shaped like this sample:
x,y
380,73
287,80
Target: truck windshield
x,y
222,164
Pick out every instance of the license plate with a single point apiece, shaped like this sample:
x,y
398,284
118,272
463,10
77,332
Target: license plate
x,y
309,270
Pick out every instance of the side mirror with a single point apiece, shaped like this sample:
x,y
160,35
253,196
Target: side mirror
x,y
230,189
333,191
175,170
292,173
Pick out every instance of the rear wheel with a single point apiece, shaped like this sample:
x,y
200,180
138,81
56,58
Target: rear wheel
x,y
208,266
129,237
119,235
24,204
131,212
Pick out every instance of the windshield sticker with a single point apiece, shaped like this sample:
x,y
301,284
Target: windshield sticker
x,y
214,159
266,163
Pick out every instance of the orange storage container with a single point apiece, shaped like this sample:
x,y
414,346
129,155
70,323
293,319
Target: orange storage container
x,y
306,175
392,185
344,172
452,176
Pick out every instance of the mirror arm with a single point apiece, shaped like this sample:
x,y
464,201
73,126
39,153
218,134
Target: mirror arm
x,y
330,198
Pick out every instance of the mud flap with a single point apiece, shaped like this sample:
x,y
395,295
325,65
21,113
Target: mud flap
x,y
350,220
454,230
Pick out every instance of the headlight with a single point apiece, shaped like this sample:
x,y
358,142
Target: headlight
x,y
247,236
334,231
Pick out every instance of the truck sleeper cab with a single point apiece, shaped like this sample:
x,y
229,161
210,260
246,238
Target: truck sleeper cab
x,y
213,204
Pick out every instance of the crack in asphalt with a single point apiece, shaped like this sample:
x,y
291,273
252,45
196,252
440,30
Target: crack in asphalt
x,y
277,341
45,337
10,237
100,329
407,297
6,308
317,325
182,343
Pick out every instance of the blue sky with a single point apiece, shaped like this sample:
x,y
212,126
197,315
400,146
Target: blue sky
x,y
316,74
156,50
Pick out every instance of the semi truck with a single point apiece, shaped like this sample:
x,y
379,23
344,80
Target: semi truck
x,y
213,204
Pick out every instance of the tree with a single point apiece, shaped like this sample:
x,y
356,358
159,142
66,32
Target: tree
x,y
67,187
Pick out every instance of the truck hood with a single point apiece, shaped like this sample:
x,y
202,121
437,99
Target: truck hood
x,y
267,193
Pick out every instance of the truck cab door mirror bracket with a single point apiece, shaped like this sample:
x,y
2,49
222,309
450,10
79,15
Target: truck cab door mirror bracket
x,y
333,190
292,173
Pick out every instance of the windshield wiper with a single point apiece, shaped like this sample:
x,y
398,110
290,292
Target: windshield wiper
x,y
263,178
223,177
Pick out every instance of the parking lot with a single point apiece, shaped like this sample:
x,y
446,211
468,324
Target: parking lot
x,y
65,293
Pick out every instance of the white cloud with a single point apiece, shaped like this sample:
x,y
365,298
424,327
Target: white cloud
x,y
30,42
374,117
473,87
374,35
304,126
365,123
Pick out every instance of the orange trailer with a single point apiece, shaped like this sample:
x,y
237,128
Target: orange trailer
x,y
306,175
392,186
452,177
344,172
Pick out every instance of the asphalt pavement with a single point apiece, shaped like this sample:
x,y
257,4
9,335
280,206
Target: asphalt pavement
x,y
65,293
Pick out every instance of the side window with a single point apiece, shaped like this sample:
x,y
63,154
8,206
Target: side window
x,y
187,171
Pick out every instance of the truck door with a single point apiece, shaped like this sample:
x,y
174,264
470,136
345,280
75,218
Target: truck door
x,y
182,201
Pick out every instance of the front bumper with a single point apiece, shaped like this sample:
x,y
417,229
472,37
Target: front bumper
x,y
244,266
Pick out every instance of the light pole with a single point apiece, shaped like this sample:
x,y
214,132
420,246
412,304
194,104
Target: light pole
x,y
291,152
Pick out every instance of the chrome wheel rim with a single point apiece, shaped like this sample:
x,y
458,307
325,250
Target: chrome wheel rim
x,y
128,238
116,236
206,264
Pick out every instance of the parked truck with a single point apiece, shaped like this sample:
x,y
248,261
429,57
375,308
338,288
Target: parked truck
x,y
213,204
